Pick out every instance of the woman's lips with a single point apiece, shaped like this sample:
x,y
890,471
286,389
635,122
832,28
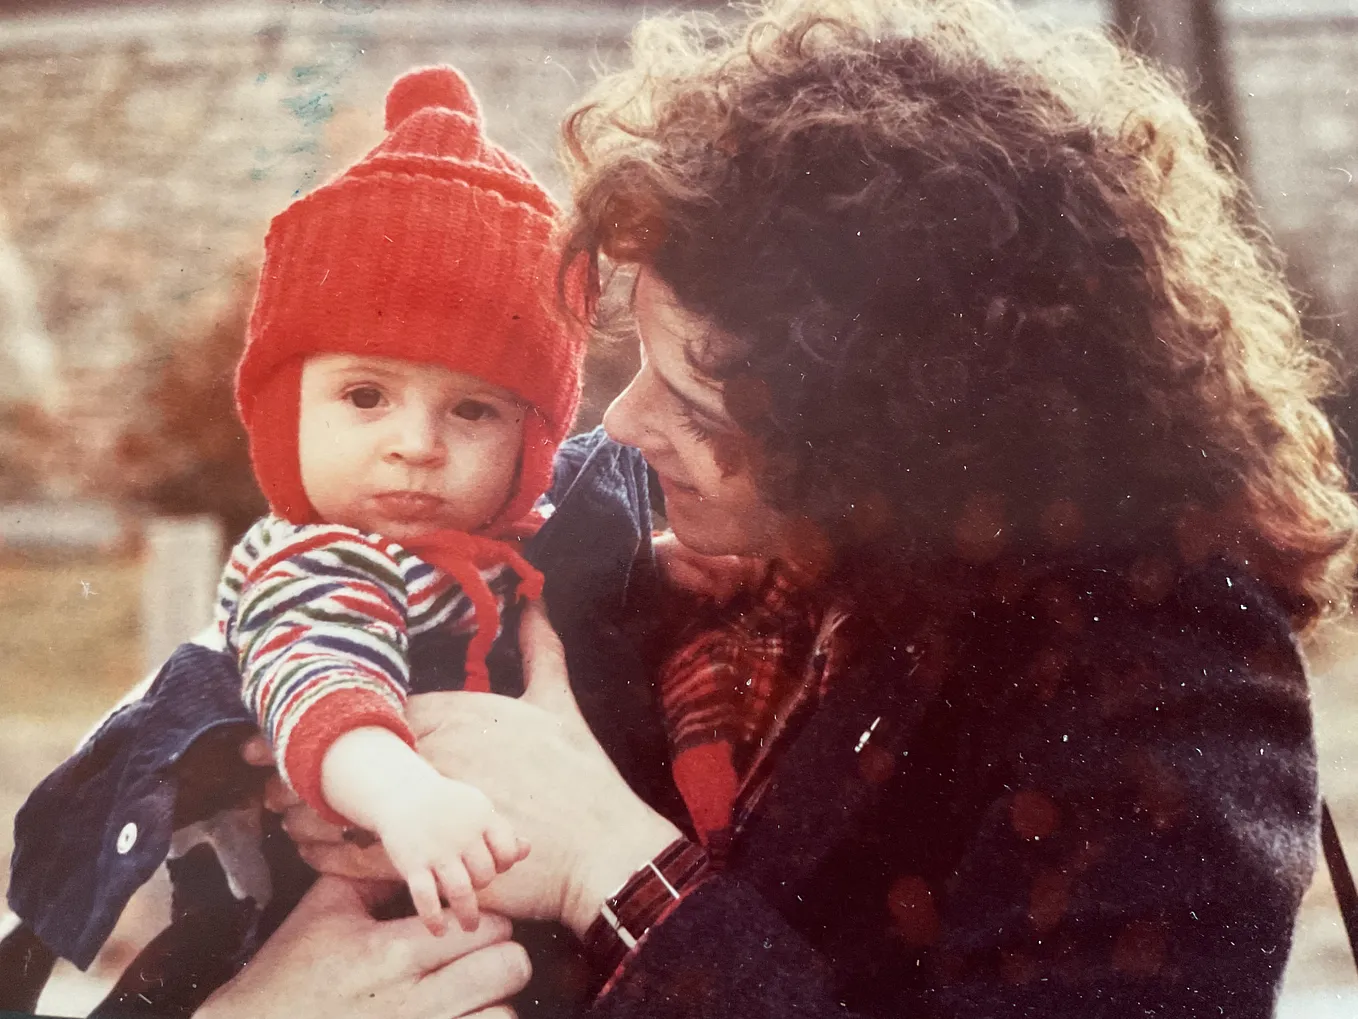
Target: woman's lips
x,y
409,505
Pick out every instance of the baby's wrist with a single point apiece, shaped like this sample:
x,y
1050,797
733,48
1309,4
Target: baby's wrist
x,y
362,767
421,793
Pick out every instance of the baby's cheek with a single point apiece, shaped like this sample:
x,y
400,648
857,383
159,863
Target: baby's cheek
x,y
484,473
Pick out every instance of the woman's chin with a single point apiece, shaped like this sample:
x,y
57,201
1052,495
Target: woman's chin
x,y
708,537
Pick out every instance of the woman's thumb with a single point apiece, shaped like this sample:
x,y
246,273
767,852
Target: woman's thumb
x,y
331,895
546,683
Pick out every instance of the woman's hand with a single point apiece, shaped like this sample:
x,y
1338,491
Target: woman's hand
x,y
547,775
542,768
716,578
331,958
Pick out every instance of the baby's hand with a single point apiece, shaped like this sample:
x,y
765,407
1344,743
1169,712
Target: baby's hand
x,y
445,836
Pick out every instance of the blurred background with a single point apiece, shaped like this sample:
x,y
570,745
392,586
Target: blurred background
x,y
143,149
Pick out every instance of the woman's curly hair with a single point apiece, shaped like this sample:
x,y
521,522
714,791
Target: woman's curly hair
x,y
980,286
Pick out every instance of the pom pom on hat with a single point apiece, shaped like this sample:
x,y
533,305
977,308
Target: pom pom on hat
x,y
430,88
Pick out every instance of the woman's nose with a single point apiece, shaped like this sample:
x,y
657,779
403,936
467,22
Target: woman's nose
x,y
628,418
416,438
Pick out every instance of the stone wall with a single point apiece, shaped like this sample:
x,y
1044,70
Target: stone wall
x,y
143,150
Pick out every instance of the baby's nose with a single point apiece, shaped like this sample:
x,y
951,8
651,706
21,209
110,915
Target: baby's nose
x,y
417,439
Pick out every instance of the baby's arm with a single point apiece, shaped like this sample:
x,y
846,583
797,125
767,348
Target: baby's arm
x,y
321,639
440,834
322,642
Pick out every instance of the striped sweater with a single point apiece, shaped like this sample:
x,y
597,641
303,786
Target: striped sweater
x,y
320,619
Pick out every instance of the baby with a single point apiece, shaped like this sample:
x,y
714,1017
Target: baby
x,y
405,383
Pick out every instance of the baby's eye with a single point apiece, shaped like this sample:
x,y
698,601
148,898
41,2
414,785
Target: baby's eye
x,y
474,410
364,397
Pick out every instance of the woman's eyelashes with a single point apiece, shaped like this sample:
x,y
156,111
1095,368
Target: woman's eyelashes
x,y
688,421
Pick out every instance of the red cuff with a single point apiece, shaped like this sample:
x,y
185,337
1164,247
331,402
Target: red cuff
x,y
706,778
323,723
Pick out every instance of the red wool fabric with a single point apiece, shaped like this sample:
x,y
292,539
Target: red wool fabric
x,y
325,722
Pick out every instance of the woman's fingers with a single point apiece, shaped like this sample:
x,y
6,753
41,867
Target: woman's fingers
x,y
543,655
257,753
305,825
348,861
475,982
277,796
330,957
332,850
546,681
418,954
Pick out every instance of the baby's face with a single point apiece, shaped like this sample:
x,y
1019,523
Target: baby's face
x,y
403,449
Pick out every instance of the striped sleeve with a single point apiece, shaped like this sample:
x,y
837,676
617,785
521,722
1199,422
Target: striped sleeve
x,y
320,631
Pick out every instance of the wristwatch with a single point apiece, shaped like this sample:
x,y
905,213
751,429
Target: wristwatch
x,y
644,900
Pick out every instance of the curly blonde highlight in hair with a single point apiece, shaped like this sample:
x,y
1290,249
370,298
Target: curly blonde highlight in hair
x,y
1004,258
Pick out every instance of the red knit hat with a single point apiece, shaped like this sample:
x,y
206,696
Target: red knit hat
x,y
436,247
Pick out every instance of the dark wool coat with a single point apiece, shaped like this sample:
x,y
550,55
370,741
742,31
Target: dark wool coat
x,y
1089,798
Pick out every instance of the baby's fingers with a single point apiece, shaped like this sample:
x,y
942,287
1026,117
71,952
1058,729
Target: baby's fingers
x,y
425,894
505,847
479,863
461,896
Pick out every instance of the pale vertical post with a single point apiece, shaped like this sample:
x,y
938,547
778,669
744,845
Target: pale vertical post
x,y
1189,36
180,568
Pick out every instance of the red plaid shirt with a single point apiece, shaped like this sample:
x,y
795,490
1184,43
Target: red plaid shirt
x,y
730,690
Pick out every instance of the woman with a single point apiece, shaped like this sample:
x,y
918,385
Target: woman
x,y
960,326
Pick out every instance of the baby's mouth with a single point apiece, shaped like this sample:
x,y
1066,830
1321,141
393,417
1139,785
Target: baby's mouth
x,y
409,506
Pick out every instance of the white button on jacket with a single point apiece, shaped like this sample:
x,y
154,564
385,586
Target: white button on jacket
x,y
127,838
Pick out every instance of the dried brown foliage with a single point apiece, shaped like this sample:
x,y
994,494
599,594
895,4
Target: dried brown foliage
x,y
185,451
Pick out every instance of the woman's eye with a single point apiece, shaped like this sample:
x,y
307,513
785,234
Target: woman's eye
x,y
474,410
364,397
689,422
